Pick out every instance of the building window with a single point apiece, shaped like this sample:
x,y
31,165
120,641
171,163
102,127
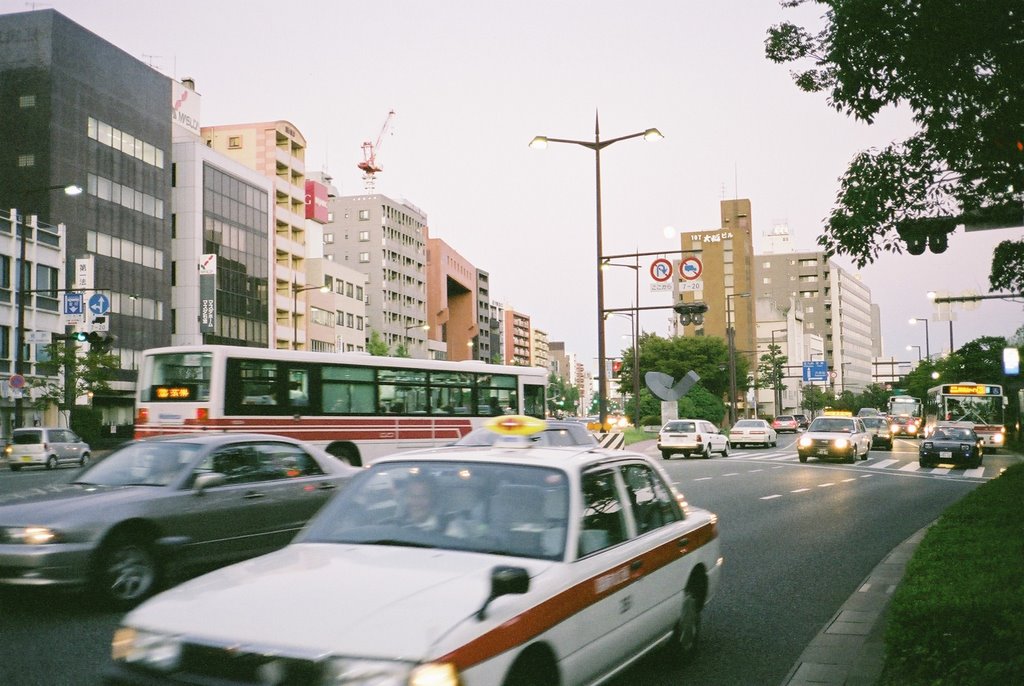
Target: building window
x,y
26,160
359,293
364,236
364,215
234,142
808,310
328,238
364,257
766,265
27,101
766,280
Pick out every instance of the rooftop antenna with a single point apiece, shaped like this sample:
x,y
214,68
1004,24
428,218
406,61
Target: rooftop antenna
x,y
149,60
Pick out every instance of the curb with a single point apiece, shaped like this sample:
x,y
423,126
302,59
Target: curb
x,y
850,649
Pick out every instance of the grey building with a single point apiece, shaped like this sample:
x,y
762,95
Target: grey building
x,y
80,110
482,342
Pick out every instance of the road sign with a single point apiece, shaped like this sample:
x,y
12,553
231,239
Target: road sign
x,y
16,381
661,270
73,304
38,337
691,285
690,269
100,324
815,370
99,304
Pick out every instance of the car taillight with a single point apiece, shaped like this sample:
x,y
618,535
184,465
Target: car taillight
x,y
202,413
699,438
142,416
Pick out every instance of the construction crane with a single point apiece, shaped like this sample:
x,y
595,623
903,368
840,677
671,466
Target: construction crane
x,y
369,164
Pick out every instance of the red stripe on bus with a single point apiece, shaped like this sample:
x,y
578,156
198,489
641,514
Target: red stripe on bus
x,y
534,621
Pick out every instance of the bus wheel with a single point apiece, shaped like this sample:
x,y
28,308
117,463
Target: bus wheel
x,y
346,452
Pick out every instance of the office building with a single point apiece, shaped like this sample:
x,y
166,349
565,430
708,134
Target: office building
x,y
451,301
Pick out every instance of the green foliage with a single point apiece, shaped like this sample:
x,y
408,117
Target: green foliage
x,y
816,398
375,345
64,370
957,67
958,615
699,403
771,369
402,350
563,398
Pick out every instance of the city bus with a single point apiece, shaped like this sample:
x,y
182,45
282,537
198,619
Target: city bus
x,y
981,404
356,406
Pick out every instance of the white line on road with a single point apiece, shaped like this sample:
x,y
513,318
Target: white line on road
x,y
830,483
941,470
977,472
882,464
848,480
770,497
800,490
910,467
704,478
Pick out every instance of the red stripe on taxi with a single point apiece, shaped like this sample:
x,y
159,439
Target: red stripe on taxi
x,y
540,618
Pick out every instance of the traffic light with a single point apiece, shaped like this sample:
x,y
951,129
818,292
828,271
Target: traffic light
x,y
690,313
80,336
98,342
932,232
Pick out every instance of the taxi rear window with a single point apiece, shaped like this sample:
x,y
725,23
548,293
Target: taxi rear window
x,y
684,427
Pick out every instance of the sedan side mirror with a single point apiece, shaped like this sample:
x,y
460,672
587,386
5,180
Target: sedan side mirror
x,y
207,480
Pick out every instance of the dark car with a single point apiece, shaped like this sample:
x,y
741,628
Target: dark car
x,y
165,504
904,425
950,445
878,427
802,420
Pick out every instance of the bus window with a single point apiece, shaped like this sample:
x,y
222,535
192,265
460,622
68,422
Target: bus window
x,y
178,377
348,390
257,381
533,400
298,387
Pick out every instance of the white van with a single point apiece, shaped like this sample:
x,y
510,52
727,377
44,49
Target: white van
x,y
45,446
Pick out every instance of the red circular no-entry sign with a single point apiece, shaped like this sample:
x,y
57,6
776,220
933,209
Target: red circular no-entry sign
x,y
661,269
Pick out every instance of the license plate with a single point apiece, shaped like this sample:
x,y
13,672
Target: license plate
x,y
26,458
945,453
823,451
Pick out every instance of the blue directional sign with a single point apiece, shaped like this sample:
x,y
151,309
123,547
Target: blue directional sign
x,y
73,303
99,303
815,370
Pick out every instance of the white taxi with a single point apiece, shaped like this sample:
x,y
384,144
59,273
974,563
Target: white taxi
x,y
511,564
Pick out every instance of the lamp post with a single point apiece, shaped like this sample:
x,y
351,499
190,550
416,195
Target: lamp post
x,y
776,373
636,331
23,287
927,345
541,142
911,347
731,339
296,289
842,377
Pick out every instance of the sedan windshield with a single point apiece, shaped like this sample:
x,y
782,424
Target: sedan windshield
x,y
141,464
518,510
832,424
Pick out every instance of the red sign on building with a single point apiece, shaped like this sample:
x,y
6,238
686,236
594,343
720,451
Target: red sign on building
x,y
316,201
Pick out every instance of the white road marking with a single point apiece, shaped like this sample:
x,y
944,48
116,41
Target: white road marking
x,y
940,470
830,483
978,472
910,467
848,480
771,497
704,478
800,490
881,465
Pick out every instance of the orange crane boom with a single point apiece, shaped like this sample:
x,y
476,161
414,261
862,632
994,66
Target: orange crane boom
x,y
369,164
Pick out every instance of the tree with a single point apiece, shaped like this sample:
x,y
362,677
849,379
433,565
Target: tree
x,y
771,372
376,345
563,397
816,398
66,373
958,67
874,396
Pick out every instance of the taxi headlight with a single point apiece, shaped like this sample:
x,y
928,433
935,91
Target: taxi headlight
x,y
147,649
841,444
355,671
805,442
28,535
998,438
894,428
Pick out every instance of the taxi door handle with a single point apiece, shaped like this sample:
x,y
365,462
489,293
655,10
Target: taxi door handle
x,y
251,495
683,542
635,565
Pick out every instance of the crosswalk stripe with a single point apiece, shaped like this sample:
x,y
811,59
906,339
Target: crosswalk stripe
x,y
882,465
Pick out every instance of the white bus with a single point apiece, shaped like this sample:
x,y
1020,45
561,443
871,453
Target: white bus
x,y
356,406
981,404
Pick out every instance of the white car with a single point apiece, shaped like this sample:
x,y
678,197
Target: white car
x,y
753,432
691,436
509,564
45,446
835,437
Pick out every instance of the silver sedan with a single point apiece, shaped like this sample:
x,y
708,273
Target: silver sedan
x,y
124,523
753,432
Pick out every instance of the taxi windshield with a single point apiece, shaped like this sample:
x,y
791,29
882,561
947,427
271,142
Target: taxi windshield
x,y
502,509
833,424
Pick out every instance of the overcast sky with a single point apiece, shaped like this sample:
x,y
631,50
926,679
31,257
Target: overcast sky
x,y
473,82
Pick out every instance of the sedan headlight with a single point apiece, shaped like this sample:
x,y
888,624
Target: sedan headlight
x,y
998,438
354,671
147,649
28,535
894,428
841,444
806,442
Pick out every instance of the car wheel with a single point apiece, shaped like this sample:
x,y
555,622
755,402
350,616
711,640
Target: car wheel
x,y
686,454
532,668
707,452
83,460
666,455
725,450
852,457
15,467
775,444
126,572
686,635
51,462
924,463
866,453
803,458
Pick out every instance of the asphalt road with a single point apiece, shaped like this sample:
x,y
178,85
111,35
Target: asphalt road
x,y
797,540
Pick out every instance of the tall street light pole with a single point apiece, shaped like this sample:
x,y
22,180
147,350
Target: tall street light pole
x,y
296,289
24,287
597,145
927,345
911,347
636,331
731,339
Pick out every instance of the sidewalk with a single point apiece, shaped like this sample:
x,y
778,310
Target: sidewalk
x,y
850,649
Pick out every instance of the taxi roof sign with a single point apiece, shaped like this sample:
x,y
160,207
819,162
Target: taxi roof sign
x,y
837,413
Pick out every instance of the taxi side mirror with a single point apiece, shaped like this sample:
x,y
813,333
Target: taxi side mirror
x,y
505,581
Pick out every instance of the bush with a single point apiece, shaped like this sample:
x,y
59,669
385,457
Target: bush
x,y
958,615
650,420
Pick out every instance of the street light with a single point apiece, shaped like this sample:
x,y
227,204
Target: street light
x,y
24,285
636,331
776,373
633,324
842,379
911,347
296,289
731,338
541,142
931,296
927,345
